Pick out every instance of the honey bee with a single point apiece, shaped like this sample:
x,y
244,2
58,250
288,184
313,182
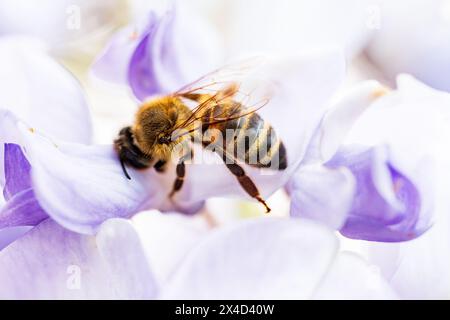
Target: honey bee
x,y
163,123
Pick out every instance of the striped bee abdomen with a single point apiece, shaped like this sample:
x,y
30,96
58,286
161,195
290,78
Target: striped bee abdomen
x,y
248,138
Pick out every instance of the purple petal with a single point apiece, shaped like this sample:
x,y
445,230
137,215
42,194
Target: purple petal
x,y
387,204
9,235
171,54
113,63
17,171
51,262
21,207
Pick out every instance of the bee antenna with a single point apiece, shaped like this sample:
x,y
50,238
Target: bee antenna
x,y
122,163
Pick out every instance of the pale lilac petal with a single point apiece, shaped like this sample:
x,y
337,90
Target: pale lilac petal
x,y
418,269
427,55
50,262
339,119
273,259
41,92
351,278
82,186
261,259
166,239
171,54
322,194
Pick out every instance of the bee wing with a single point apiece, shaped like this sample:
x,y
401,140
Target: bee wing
x,y
237,82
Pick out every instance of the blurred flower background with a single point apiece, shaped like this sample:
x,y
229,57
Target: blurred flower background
x,y
364,213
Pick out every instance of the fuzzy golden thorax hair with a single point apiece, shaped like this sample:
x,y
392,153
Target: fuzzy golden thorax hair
x,y
155,121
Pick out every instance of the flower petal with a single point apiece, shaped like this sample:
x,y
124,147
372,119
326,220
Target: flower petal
x,y
322,194
418,269
17,171
387,205
9,235
171,54
338,121
400,167
166,239
272,259
261,259
50,262
112,64
426,56
21,207
365,281
41,92
82,186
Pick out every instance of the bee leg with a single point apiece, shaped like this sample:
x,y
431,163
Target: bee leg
x,y
160,166
181,171
245,182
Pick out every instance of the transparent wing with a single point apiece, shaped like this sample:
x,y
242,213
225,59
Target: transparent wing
x,y
237,84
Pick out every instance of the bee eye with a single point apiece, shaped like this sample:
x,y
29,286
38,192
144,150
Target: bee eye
x,y
164,140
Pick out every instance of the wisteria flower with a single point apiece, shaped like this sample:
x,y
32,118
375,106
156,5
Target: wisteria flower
x,y
383,189
160,53
292,260
418,269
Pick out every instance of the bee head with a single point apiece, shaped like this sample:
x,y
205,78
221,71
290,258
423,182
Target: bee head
x,y
129,153
165,139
